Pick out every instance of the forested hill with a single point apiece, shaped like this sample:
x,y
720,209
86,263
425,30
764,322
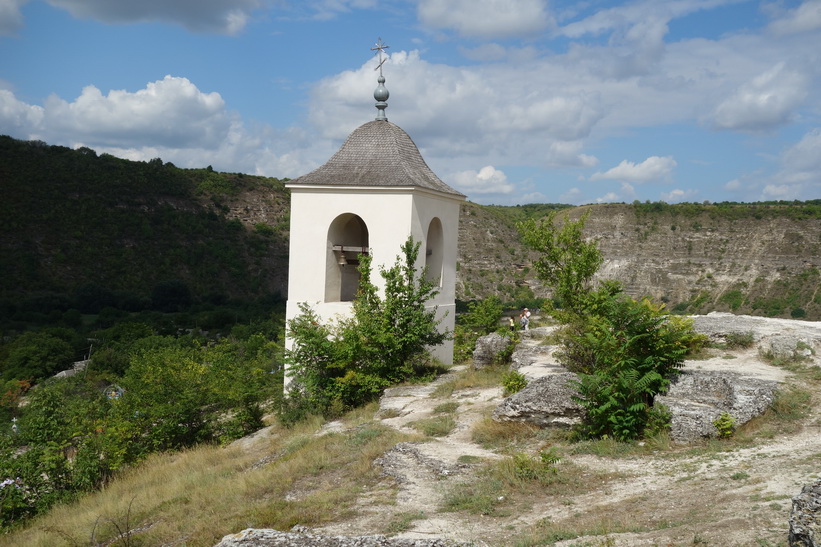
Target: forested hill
x,y
78,229
82,231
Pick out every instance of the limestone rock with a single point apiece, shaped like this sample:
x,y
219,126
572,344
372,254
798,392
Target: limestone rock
x,y
697,398
488,348
805,518
545,401
302,537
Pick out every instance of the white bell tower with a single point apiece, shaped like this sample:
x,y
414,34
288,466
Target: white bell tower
x,y
368,198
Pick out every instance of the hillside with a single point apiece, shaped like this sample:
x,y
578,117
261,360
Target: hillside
x,y
78,229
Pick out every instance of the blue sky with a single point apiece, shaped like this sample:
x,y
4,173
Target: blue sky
x,y
509,101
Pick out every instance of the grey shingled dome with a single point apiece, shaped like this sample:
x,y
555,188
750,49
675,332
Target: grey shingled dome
x,y
378,153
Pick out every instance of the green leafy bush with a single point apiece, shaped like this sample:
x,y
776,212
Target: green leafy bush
x,y
513,381
725,424
624,351
342,365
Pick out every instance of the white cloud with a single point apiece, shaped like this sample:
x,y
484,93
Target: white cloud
x,y
171,119
488,180
804,18
678,195
17,117
485,18
224,16
767,101
11,19
733,185
652,170
170,112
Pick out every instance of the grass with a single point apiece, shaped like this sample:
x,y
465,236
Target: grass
x,y
518,480
198,496
485,377
437,426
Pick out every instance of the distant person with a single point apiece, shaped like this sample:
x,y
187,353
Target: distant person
x,y
512,323
525,321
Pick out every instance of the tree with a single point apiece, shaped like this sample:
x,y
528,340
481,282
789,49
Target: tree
x,y
625,351
484,315
567,261
345,364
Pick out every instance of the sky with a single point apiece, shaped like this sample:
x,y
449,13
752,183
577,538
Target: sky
x,y
509,101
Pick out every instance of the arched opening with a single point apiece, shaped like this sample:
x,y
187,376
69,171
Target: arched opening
x,y
347,239
434,251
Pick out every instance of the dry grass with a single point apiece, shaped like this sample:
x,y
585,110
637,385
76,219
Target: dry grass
x,y
198,496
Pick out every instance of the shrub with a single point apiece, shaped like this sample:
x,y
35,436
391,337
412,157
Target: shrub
x,y
725,424
513,381
624,351
339,366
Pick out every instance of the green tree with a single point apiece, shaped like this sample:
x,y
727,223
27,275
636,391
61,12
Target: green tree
x,y
344,364
567,261
624,351
483,315
36,355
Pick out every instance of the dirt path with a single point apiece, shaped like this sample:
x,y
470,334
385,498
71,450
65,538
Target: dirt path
x,y
703,496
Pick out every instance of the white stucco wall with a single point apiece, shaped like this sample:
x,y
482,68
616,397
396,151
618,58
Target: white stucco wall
x,y
390,215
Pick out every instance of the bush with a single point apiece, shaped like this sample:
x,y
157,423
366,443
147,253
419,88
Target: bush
x,y
513,382
624,351
343,365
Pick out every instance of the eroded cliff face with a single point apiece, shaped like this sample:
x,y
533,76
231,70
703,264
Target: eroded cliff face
x,y
695,260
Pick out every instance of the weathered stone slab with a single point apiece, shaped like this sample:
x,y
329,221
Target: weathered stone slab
x,y
545,402
805,518
697,398
488,348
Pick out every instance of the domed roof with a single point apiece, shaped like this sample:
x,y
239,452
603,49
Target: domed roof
x,y
378,153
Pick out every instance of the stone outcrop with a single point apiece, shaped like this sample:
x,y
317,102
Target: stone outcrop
x,y
546,402
302,537
805,518
488,348
697,398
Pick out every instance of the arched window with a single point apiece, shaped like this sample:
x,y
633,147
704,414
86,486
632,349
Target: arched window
x,y
347,239
434,251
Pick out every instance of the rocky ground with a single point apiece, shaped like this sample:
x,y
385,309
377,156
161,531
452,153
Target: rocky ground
x,y
710,493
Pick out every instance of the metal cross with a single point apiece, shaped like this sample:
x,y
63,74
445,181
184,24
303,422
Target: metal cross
x,y
377,49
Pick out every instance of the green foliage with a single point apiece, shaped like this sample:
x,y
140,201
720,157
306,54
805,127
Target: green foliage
x,y
541,469
624,351
567,261
483,315
339,366
513,381
175,393
725,425
739,340
35,355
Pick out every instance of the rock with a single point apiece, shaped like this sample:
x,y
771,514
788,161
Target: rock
x,y
526,355
697,398
488,348
805,518
545,402
302,537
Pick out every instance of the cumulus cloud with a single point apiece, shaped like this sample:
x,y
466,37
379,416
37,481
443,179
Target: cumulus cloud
x,y
798,176
11,19
170,112
485,18
678,195
767,101
171,119
224,16
804,18
488,180
652,170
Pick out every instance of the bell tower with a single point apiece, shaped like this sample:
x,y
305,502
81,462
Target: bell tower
x,y
373,193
